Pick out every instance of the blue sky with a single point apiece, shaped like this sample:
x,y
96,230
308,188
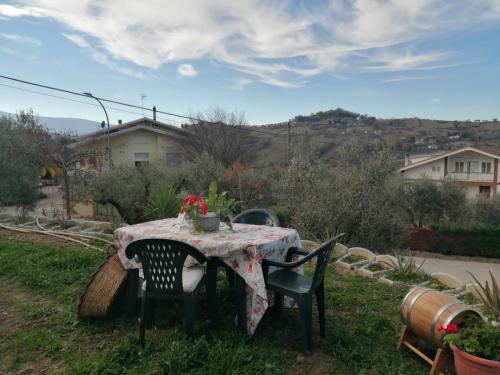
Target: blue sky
x,y
271,59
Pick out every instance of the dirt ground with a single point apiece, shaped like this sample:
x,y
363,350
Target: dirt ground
x,y
13,319
35,238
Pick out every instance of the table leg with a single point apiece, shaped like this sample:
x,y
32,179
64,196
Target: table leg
x,y
241,303
132,289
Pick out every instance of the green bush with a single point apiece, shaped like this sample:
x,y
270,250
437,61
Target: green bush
x,y
163,203
359,196
454,239
487,211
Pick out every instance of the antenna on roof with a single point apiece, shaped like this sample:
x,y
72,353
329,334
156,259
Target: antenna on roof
x,y
143,96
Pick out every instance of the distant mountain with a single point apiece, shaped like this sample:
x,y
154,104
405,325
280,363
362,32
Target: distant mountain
x,y
59,124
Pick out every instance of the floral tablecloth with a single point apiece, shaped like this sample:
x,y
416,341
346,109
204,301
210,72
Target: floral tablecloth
x,y
241,249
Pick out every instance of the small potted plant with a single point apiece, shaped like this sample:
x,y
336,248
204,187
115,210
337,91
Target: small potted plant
x,y
476,347
219,203
196,212
204,213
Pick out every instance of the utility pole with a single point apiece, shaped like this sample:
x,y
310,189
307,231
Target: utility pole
x,y
289,150
143,96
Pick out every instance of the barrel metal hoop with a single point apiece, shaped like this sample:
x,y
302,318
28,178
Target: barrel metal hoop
x,y
404,301
436,317
414,301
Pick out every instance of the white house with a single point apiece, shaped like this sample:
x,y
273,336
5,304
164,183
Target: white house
x,y
476,168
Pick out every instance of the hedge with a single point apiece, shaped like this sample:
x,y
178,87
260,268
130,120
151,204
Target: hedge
x,y
479,241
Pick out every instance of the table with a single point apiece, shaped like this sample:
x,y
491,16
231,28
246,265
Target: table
x,y
242,249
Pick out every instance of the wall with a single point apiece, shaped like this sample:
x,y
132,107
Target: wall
x,y
126,145
425,171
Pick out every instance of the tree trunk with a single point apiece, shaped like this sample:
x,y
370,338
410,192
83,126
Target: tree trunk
x,y
67,197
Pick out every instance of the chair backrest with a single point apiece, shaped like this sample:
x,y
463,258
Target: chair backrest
x,y
257,216
162,262
323,256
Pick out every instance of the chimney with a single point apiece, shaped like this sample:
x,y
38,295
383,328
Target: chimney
x,y
154,113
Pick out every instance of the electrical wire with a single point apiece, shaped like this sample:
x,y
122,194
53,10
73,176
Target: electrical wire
x,y
245,128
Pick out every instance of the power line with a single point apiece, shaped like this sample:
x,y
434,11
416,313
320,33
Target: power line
x,y
113,101
247,128
79,101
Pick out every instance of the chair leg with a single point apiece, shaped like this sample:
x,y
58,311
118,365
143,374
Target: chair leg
x,y
142,323
229,276
305,309
320,298
149,313
211,285
132,290
190,313
278,304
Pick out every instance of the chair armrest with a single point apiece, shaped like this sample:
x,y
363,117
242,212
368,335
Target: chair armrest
x,y
295,251
287,265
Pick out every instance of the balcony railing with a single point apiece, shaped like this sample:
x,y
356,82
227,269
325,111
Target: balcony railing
x,y
472,176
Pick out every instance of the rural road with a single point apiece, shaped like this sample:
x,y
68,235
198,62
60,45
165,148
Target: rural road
x,y
459,268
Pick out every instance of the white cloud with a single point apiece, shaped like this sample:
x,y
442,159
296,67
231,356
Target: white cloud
x,y
435,100
101,57
404,78
21,39
240,83
186,70
13,11
279,43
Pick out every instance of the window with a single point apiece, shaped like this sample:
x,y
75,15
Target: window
x,y
486,167
141,158
436,169
140,139
459,167
472,167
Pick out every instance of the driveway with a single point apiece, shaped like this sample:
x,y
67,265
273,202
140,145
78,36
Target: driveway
x,y
459,268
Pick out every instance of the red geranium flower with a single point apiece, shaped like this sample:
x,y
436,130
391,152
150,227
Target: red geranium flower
x,y
451,328
203,207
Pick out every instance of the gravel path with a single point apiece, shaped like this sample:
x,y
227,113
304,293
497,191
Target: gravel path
x,y
459,268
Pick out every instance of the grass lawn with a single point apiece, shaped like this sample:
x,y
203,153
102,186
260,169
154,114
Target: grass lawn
x,y
40,333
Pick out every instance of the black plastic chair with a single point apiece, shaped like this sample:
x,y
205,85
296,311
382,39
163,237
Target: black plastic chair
x,y
285,282
257,216
166,278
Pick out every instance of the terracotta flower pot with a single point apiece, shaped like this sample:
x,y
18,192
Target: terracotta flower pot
x,y
468,364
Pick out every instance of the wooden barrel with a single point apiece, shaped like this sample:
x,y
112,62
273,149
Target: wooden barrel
x,y
424,309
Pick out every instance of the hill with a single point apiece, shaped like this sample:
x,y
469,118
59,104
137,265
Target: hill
x,y
328,129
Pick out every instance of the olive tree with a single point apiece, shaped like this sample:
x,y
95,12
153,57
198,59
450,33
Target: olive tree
x,y
22,145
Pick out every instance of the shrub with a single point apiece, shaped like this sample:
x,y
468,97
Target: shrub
x,y
163,203
449,239
427,202
487,211
359,196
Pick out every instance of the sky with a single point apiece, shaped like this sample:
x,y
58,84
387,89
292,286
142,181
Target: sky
x,y
272,60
